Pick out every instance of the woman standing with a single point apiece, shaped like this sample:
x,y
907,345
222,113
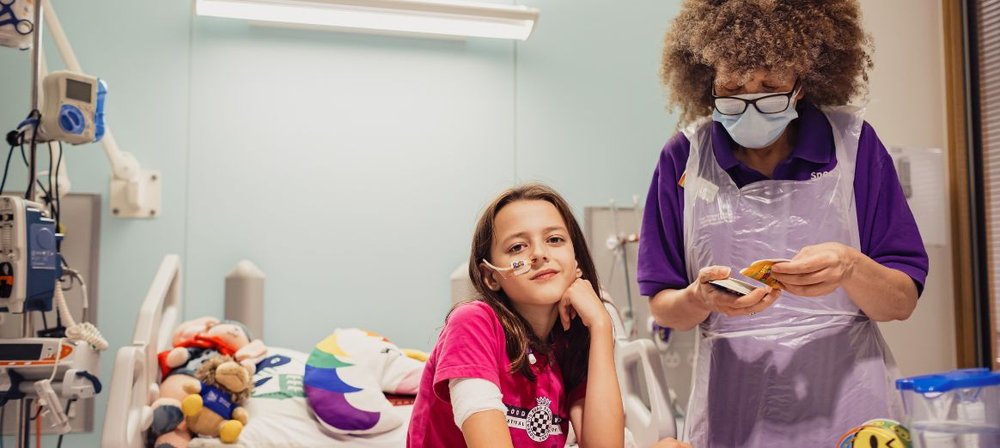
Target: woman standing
x,y
771,165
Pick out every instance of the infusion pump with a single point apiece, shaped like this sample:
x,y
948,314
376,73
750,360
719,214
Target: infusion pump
x,y
73,108
29,256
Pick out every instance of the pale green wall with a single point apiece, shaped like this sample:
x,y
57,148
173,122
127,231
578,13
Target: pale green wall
x,y
351,168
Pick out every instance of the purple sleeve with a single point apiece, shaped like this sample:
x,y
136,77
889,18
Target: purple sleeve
x,y
468,347
888,230
661,247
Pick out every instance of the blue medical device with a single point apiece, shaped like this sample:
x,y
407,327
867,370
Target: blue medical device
x,y
29,256
73,110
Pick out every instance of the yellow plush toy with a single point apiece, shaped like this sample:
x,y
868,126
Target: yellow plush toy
x,y
213,406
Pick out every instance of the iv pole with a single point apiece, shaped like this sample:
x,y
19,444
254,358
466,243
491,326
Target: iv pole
x,y
24,404
123,165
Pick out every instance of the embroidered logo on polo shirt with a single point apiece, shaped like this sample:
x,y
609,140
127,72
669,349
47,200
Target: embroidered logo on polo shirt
x,y
539,422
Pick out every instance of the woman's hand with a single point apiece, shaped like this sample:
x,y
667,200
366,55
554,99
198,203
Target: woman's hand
x,y
714,299
816,270
581,300
671,442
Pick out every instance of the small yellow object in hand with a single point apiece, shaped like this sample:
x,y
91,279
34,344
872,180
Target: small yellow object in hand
x,y
760,270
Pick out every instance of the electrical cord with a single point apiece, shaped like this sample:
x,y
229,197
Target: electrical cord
x,y
58,199
38,427
52,194
34,141
50,177
6,169
41,186
68,404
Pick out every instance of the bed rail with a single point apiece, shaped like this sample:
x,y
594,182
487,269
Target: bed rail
x,y
136,373
641,373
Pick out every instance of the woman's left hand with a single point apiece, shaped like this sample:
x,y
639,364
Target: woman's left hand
x,y
581,300
816,270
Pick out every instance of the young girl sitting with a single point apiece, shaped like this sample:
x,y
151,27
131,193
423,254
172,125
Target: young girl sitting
x,y
535,351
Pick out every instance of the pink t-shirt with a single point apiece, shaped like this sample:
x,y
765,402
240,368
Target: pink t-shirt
x,y
472,345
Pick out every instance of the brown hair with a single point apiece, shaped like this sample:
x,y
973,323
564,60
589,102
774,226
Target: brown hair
x,y
820,41
575,342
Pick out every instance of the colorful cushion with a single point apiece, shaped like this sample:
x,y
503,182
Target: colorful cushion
x,y
346,376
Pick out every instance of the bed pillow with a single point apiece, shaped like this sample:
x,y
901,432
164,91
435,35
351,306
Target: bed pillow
x,y
346,376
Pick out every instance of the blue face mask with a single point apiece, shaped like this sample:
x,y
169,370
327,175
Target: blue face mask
x,y
755,130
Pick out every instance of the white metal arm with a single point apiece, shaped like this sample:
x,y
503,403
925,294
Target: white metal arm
x,y
135,193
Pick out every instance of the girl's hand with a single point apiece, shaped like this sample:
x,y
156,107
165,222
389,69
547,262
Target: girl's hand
x,y
816,270
714,299
581,300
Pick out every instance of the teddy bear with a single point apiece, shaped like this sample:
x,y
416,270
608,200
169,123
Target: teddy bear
x,y
194,343
213,406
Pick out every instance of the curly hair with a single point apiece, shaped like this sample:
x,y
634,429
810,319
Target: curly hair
x,y
820,41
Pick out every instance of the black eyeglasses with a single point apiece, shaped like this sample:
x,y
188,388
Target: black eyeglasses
x,y
768,104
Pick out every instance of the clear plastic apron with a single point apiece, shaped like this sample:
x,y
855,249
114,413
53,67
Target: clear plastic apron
x,y
807,369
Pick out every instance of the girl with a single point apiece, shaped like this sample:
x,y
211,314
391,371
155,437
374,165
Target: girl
x,y
535,351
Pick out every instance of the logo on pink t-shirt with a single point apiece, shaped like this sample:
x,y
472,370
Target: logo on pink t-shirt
x,y
539,422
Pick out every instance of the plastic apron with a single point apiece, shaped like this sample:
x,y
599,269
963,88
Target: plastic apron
x,y
807,369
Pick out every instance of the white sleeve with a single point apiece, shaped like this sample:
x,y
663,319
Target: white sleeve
x,y
472,395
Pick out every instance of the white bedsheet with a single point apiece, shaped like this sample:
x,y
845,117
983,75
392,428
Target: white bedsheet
x,y
289,423
306,434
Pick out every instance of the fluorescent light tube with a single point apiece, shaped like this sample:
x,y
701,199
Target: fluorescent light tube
x,y
434,17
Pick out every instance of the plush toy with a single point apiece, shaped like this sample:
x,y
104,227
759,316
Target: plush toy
x,y
195,342
345,378
213,407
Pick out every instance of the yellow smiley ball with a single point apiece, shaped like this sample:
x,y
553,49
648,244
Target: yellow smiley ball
x,y
879,437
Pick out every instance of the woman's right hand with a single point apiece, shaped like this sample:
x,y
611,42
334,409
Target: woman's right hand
x,y
671,442
715,299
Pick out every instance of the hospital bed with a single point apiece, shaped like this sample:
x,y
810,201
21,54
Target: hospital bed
x,y
135,380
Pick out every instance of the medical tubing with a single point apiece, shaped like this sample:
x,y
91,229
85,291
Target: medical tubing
x,y
55,366
84,331
83,288
63,309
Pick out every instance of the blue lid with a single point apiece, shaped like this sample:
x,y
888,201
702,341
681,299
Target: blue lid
x,y
944,382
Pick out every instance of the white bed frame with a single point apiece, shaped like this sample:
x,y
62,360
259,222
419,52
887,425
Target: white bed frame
x,y
641,374
134,384
135,380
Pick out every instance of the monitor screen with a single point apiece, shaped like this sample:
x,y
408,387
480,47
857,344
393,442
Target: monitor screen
x,y
20,352
76,90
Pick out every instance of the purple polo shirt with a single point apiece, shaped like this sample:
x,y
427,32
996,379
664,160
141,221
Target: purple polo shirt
x,y
888,231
